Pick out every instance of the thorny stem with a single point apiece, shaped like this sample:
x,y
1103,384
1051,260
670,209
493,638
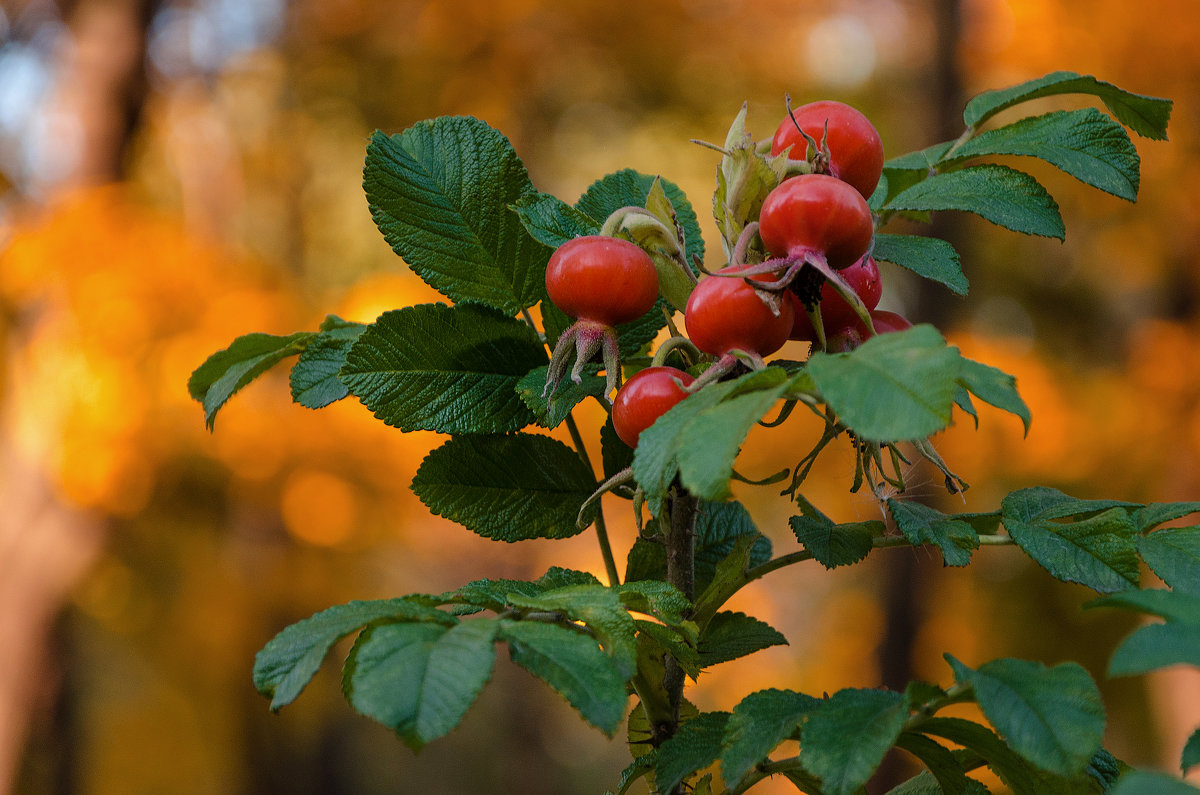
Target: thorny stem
x,y
680,540
610,563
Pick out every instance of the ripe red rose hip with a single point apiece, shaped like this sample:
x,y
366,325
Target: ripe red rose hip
x,y
724,314
816,214
854,334
644,398
836,312
855,150
603,279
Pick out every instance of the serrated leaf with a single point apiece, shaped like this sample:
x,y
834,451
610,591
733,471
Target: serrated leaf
x,y
760,721
729,635
286,664
420,679
551,221
1051,716
508,488
246,358
1086,144
1150,516
995,387
600,609
930,257
834,545
1044,503
440,193
1191,753
1156,646
1098,551
550,411
999,194
656,598
448,369
314,378
895,386
614,453
1147,116
921,524
1148,782
1178,606
924,783
920,160
658,640
574,665
873,718
1017,773
638,768
627,188
693,747
1174,555
493,594
944,774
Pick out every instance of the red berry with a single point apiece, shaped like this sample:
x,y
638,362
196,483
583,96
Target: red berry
x,y
644,398
836,312
724,313
602,279
855,150
816,214
851,336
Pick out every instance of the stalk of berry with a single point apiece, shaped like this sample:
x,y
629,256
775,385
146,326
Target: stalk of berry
x,y
601,282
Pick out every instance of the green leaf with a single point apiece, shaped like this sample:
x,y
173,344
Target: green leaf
x,y
695,746
420,679
552,221
617,456
448,369
929,257
834,545
1147,782
574,665
1018,774
1174,555
873,718
289,661
759,722
1086,144
1051,716
600,609
999,194
628,188
729,636
1157,646
1178,606
1044,503
247,357
921,524
945,772
1191,753
1150,516
1147,116
1098,551
658,640
440,193
994,387
509,488
656,598
894,387
925,783
493,594
553,410
314,378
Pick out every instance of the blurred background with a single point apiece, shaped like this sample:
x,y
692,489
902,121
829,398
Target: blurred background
x,y
175,173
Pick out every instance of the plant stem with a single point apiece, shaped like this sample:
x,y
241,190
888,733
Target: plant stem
x,y
681,572
610,563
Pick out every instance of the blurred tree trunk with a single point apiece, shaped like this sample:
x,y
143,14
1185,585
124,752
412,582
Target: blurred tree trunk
x,y
46,546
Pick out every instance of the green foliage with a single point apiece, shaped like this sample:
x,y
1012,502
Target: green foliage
x,y
696,746
729,635
920,524
925,256
846,736
248,357
314,378
759,722
832,544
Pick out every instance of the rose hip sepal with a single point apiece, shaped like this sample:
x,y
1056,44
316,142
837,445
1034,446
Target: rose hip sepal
x,y
836,312
601,282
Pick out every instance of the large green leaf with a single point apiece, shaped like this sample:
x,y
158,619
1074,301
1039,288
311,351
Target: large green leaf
x,y
551,410
1086,144
945,774
1097,551
1174,555
508,488
930,257
1152,515
759,722
1149,782
831,544
494,594
1017,773
729,635
695,746
921,524
247,357
1051,716
551,221
847,735
1157,646
440,192
289,661
629,188
574,665
449,369
895,386
314,378
1006,197
597,607
1147,116
995,387
420,679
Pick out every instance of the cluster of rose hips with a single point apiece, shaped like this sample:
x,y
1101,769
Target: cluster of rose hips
x,y
816,281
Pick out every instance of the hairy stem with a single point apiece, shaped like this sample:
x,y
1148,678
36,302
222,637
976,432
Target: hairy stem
x,y
610,563
680,526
